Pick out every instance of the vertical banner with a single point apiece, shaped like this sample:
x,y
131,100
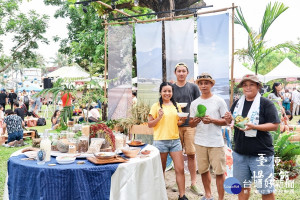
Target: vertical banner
x,y
149,60
179,46
119,71
213,51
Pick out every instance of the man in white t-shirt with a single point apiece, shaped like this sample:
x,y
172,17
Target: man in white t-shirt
x,y
209,141
295,101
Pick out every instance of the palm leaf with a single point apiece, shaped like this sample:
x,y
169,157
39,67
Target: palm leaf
x,y
270,15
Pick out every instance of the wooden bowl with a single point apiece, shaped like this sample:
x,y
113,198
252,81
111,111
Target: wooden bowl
x,y
136,142
131,152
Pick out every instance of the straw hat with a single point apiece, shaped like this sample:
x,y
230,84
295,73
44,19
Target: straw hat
x,y
249,77
205,77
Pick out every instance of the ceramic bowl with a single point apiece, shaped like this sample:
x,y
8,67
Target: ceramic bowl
x,y
131,152
182,105
182,114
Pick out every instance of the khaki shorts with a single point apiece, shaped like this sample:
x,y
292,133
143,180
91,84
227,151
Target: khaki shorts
x,y
214,156
187,135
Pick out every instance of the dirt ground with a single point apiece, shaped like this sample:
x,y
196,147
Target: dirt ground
x,y
170,181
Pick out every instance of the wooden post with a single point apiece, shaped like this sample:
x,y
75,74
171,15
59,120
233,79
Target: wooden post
x,y
104,109
232,56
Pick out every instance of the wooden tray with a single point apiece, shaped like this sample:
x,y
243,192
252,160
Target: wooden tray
x,y
97,161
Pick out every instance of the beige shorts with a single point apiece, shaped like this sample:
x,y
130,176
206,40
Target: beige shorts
x,y
214,156
187,135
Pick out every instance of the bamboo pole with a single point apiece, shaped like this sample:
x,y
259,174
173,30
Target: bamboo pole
x,y
170,18
104,110
232,56
119,11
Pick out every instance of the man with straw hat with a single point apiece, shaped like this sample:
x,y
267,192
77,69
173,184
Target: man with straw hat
x,y
209,141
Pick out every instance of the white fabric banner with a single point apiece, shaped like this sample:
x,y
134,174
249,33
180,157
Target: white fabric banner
x,y
213,51
179,38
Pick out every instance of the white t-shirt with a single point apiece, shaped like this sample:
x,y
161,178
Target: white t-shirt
x,y
295,97
209,135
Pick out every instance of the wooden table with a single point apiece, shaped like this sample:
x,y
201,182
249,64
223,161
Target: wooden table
x,y
30,134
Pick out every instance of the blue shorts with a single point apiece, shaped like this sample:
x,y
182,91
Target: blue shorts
x,y
165,146
17,135
259,169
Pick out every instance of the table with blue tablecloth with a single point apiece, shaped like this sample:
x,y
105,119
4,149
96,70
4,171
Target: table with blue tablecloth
x,y
139,178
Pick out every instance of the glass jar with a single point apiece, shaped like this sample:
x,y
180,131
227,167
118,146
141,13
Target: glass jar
x,y
85,130
83,144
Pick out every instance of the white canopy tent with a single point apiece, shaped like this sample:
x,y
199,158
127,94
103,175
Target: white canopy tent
x,y
286,69
239,71
69,72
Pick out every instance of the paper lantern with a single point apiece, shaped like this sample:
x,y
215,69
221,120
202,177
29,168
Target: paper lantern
x,y
26,77
20,83
35,79
5,76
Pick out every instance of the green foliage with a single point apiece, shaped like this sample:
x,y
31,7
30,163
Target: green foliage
x,y
283,148
257,50
27,31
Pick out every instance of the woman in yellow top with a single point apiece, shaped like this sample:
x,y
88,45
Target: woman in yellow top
x,y
164,120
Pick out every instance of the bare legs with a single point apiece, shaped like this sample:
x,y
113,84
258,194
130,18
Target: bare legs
x,y
206,180
192,168
177,158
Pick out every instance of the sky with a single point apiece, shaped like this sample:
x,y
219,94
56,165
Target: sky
x,y
285,28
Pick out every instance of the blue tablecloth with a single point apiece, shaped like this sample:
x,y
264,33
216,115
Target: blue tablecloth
x,y
27,180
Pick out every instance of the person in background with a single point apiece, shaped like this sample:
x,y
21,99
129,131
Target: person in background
x,y
276,93
93,114
295,102
209,140
36,101
254,151
286,100
3,99
55,119
14,124
19,111
134,99
164,120
26,99
185,92
1,120
12,97
284,125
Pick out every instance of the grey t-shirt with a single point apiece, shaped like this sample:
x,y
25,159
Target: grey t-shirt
x,y
186,94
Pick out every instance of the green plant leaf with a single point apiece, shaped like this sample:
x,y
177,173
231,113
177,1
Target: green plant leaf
x,y
201,110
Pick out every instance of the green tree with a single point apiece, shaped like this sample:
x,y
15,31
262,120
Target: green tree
x,y
26,29
60,60
85,42
257,50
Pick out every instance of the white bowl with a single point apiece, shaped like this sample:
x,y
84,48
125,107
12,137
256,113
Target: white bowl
x,y
182,114
65,159
104,155
182,105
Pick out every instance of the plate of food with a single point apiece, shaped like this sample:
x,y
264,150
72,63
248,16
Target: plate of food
x,y
105,155
136,143
31,154
63,160
78,155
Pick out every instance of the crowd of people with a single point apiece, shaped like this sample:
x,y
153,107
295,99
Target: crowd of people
x,y
201,138
12,120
